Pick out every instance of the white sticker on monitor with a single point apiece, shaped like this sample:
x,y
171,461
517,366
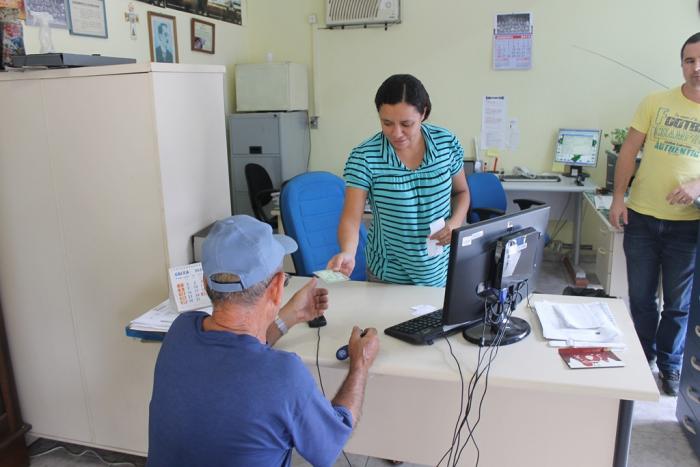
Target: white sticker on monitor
x,y
468,239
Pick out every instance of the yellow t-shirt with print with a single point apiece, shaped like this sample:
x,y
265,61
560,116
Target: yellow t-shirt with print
x,y
671,157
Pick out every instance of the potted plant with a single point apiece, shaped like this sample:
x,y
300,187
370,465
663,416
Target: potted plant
x,y
617,137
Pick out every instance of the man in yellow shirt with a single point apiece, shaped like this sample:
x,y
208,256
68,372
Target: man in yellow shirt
x,y
660,220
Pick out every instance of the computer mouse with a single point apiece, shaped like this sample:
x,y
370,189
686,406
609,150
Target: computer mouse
x,y
342,352
317,322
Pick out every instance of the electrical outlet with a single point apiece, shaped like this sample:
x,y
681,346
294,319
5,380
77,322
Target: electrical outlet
x,y
313,122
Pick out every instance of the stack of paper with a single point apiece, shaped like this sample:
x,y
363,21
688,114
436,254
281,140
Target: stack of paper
x,y
159,318
578,325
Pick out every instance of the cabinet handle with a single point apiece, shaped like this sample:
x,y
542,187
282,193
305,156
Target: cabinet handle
x,y
694,363
602,251
688,424
692,394
603,230
697,331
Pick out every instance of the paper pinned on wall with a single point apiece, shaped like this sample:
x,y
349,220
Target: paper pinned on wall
x,y
494,122
512,41
514,137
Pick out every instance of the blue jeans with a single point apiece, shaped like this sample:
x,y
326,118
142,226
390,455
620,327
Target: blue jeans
x,y
652,245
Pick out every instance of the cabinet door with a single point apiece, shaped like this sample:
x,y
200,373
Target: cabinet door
x,y
108,197
254,133
35,297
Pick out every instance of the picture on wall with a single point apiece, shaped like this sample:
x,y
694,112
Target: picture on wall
x,y
87,18
55,8
162,33
11,42
202,36
12,10
224,10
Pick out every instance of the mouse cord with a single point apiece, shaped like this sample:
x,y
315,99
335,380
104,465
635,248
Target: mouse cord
x,y
461,406
320,381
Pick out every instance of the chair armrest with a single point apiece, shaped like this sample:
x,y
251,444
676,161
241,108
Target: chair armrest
x,y
524,203
261,193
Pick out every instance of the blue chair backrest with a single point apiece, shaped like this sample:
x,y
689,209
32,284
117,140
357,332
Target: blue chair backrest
x,y
311,204
485,191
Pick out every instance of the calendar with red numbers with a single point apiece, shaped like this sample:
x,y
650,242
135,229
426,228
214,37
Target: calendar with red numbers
x,y
187,288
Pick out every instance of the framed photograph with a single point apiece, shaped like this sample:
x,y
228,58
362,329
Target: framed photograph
x,y
55,8
87,18
202,36
163,37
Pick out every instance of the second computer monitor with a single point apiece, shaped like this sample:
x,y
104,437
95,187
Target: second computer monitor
x,y
577,148
472,264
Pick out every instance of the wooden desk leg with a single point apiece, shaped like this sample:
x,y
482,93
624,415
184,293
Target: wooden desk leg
x,y
624,433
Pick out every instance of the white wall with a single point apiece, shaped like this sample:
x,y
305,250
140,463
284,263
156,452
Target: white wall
x,y
447,44
231,44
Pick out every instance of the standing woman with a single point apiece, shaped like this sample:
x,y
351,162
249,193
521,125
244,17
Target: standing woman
x,y
412,172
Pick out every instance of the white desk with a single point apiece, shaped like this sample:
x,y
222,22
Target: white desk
x,y
537,411
551,193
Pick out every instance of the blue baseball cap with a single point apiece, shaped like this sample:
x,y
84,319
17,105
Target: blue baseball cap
x,y
245,247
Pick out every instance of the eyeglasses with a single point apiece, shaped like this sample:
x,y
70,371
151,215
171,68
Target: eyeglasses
x,y
286,279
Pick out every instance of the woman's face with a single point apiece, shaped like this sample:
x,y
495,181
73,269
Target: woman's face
x,y
401,124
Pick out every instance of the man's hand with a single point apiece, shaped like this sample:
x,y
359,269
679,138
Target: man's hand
x,y
684,194
308,303
618,211
342,262
363,349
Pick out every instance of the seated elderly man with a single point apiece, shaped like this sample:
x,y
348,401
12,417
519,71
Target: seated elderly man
x,y
222,396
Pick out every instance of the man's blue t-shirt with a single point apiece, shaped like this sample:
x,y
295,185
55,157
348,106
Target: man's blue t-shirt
x,y
226,399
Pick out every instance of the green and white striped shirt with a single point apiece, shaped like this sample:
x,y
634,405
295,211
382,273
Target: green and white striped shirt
x,y
404,202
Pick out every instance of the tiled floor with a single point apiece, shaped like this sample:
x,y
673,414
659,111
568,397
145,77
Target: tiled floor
x,y
657,440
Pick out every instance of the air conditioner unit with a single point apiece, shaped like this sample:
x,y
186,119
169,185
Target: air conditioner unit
x,y
361,12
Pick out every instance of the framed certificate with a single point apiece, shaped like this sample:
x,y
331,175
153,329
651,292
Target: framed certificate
x,y
87,18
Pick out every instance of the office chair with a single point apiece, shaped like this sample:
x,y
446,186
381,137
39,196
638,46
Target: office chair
x,y
488,198
260,190
311,204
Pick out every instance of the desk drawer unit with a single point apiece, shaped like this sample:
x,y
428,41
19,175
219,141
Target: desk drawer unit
x,y
688,405
689,422
611,267
690,384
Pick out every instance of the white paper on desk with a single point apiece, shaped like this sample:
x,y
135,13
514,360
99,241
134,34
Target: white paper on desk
x,y
419,310
433,248
593,322
158,318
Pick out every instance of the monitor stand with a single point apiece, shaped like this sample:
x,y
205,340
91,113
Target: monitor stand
x,y
485,335
574,171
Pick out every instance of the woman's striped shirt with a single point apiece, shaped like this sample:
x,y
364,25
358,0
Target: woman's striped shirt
x,y
404,202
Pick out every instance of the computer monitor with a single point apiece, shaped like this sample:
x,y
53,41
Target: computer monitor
x,y
577,149
473,269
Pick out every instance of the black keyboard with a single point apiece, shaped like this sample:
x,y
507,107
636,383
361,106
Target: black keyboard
x,y
536,178
421,330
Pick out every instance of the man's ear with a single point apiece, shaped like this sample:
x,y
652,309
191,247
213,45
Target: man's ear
x,y
276,289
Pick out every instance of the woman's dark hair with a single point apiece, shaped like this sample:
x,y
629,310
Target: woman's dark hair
x,y
404,88
691,40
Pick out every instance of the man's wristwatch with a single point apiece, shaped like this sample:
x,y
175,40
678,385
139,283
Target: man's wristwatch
x,y
281,325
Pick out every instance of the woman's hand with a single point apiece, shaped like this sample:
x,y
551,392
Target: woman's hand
x,y
342,262
444,235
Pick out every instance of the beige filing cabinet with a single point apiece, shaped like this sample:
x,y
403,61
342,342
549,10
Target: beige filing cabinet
x,y
105,173
611,266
